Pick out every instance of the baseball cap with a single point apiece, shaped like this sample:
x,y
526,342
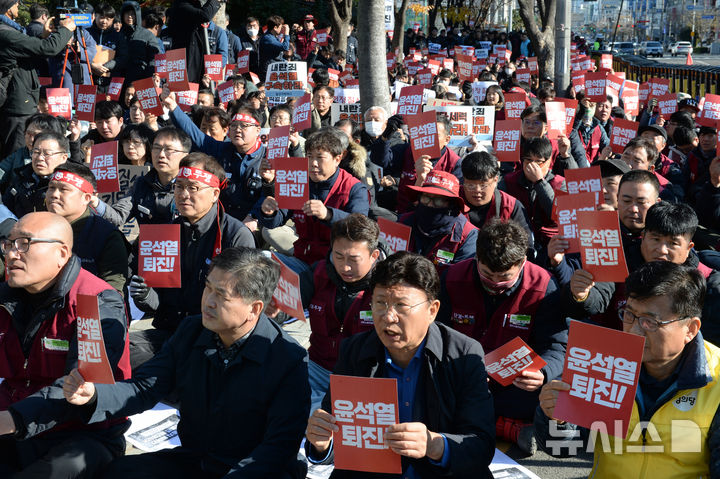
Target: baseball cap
x,y
655,128
612,167
442,183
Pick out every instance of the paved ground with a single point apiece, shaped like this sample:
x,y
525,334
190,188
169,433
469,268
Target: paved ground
x,y
703,60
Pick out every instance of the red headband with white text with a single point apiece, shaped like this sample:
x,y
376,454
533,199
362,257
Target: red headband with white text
x,y
196,174
72,179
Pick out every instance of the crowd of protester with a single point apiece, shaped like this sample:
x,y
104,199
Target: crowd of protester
x,y
485,263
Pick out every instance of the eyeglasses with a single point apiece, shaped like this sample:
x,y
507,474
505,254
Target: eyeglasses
x,y
534,123
648,324
22,245
190,188
44,154
478,186
166,149
540,161
241,125
434,201
323,97
133,144
382,307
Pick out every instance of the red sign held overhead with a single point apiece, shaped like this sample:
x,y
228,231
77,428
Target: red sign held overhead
x,y
410,100
104,165
578,81
423,134
667,105
226,92
507,140
302,119
596,86
147,95
363,409
523,75
395,235
622,132
601,245
424,77
186,99
515,103
292,190
464,63
606,61
533,65
570,111
115,88
322,37
567,208
630,97
59,102
710,113
243,62
556,119
93,363
177,70
585,180
85,102
213,67
287,292
602,366
161,65
159,255
278,140
509,360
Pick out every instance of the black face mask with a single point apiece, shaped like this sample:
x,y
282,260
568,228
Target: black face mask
x,y
435,221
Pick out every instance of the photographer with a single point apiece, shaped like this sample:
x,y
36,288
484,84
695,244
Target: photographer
x,y
19,84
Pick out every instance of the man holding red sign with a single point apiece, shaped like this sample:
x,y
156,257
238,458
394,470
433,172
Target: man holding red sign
x,y
678,391
38,320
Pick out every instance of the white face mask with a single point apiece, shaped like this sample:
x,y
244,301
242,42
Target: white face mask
x,y
253,31
508,71
374,128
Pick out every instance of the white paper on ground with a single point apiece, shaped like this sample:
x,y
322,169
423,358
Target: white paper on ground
x,y
154,429
503,467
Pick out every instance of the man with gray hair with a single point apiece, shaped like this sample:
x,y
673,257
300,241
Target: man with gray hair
x,y
242,384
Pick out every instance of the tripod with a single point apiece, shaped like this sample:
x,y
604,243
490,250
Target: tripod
x,y
76,73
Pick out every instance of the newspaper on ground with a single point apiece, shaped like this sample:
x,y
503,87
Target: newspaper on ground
x,y
154,429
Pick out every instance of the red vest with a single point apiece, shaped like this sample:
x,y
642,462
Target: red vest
x,y
45,365
327,330
446,162
706,271
502,211
592,151
542,224
513,317
313,240
450,242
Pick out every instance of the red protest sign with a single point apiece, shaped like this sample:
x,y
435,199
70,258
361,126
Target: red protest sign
x,y
322,37
449,64
148,96
161,65
395,235
515,103
601,245
287,292
606,61
507,140
390,60
710,113
186,99
667,105
556,119
59,102
506,363
159,255
644,92
423,134
630,97
278,140
578,81
177,70
85,102
230,69
424,77
584,180
622,132
614,85
334,77
523,75
363,409
213,67
533,65
596,86
585,62
567,208
104,165
570,111
602,367
410,100
226,92
434,66
243,62
93,362
301,119
464,71
291,182
659,86
115,88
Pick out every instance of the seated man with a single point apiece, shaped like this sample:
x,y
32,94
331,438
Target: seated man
x,y
26,192
664,305
108,123
150,198
205,230
408,345
242,384
39,345
340,305
497,296
639,154
99,244
481,174
440,230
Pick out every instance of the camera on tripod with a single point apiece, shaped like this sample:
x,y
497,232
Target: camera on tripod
x,y
80,18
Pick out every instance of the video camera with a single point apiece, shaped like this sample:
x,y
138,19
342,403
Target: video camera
x,y
80,18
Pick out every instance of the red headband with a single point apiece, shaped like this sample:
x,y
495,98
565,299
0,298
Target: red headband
x,y
72,179
245,118
196,174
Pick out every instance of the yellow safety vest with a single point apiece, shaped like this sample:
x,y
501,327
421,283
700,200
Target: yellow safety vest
x,y
675,440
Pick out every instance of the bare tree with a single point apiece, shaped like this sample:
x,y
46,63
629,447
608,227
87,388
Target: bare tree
x,y
374,87
399,32
340,15
541,31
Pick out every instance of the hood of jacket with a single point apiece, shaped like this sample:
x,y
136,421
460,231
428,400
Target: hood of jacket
x,y
135,6
355,161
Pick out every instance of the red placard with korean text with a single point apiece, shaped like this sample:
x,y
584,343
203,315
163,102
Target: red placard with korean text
x,y
602,366
606,61
710,113
334,77
506,363
363,409
631,98
301,119
507,140
59,102
523,75
578,81
622,132
278,140
186,99
159,255
601,245
93,362
424,77
464,67
291,182
585,180
533,65
322,37
177,70
161,65
104,165
659,86
85,102
148,96
596,86
410,100
116,84
395,235
243,62
226,92
423,134
556,119
567,208
667,105
515,103
286,296
213,67
570,111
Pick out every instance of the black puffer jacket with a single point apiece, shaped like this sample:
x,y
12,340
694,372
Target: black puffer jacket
x,y
142,46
